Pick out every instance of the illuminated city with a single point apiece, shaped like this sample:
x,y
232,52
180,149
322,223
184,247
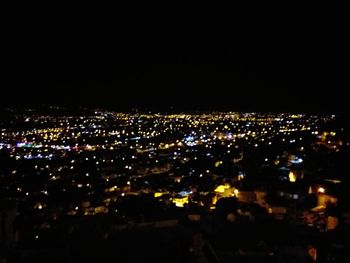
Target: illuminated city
x,y
124,139
135,171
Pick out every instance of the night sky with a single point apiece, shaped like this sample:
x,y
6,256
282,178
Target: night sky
x,y
199,67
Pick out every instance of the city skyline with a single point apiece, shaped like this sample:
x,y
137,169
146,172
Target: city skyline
x,y
105,184
167,143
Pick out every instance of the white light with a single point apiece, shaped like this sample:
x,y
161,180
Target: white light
x,y
321,190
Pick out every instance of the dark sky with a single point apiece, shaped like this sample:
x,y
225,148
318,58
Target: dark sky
x,y
201,66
